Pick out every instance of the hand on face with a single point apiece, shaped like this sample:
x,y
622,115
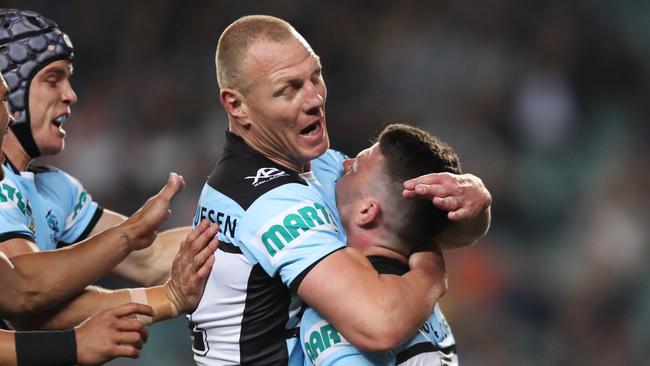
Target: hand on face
x,y
141,228
111,333
191,267
464,195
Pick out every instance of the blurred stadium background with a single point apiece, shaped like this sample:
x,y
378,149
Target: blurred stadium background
x,y
547,101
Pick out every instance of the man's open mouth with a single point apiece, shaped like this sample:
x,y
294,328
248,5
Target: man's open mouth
x,y
58,121
312,129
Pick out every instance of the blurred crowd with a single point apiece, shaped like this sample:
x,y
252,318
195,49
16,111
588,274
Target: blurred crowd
x,y
547,101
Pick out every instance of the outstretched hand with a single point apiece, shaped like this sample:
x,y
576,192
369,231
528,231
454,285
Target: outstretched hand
x,y
111,333
464,196
191,267
141,228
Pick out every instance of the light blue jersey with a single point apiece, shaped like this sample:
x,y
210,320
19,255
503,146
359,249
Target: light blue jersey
x,y
275,226
46,206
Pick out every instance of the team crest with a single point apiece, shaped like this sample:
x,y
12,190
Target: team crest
x,y
53,223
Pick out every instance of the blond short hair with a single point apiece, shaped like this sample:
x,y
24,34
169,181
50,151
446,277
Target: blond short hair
x,y
237,38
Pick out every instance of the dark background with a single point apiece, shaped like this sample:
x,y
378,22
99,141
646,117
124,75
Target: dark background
x,y
546,101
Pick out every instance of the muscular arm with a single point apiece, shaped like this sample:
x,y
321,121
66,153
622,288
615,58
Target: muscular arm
x,y
92,300
373,312
43,279
148,267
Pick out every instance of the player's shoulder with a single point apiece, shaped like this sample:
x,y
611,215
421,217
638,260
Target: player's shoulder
x,y
52,175
331,157
329,165
42,168
48,172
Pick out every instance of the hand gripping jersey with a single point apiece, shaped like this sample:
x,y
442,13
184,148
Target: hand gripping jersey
x,y
46,206
323,345
275,226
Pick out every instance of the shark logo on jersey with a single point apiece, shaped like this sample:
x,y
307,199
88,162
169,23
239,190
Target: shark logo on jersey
x,y
53,223
293,225
266,175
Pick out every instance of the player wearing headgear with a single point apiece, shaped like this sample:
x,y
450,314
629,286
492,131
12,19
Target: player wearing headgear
x,y
35,282
30,42
28,286
45,207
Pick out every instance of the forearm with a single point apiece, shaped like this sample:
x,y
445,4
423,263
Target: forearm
x,y
400,306
95,299
374,312
88,302
151,266
464,233
387,315
70,269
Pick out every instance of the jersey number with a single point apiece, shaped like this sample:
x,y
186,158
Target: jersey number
x,y
199,339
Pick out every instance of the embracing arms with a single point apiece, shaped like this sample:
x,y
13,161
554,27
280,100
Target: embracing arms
x,y
374,312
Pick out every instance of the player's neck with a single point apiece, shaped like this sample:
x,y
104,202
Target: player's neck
x,y
384,252
279,158
372,242
15,152
269,152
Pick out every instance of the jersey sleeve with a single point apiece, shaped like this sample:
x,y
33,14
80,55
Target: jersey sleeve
x,y
16,219
329,166
82,213
287,230
323,345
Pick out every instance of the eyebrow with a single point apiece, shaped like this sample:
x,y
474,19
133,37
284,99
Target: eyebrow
x,y
59,72
55,72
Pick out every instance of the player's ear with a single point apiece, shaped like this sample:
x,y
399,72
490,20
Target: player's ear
x,y
232,101
368,212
